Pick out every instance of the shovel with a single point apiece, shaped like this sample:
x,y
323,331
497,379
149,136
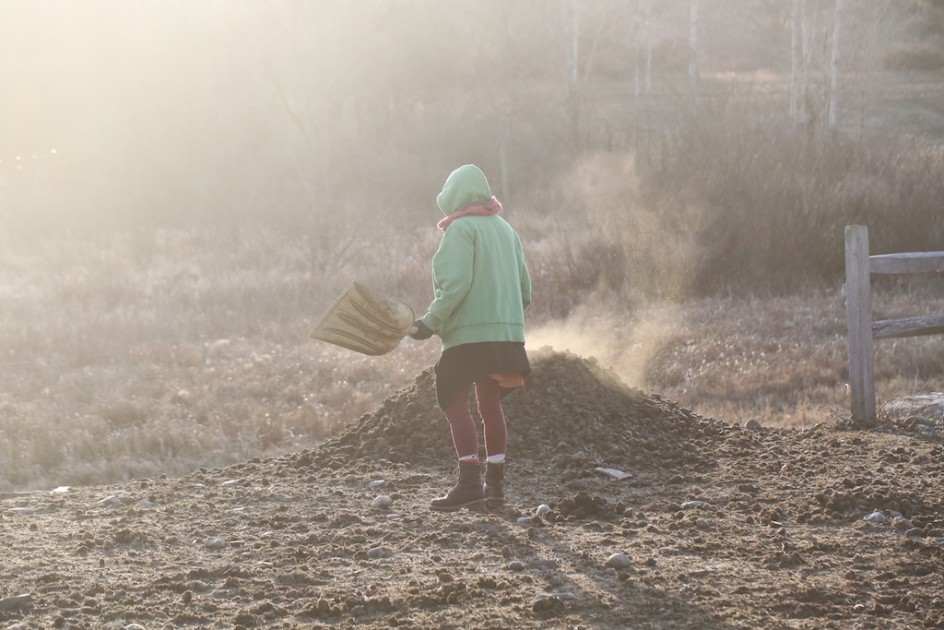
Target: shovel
x,y
365,321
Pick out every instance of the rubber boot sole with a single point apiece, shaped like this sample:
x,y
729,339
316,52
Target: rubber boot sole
x,y
475,505
494,504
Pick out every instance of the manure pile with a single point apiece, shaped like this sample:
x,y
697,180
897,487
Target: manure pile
x,y
570,413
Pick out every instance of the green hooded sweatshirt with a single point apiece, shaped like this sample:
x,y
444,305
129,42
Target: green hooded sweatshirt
x,y
480,280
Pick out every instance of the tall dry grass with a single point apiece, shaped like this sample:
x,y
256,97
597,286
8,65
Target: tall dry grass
x,y
113,369
107,377
734,197
707,270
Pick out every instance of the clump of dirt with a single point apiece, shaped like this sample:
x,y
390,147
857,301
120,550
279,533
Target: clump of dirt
x,y
583,505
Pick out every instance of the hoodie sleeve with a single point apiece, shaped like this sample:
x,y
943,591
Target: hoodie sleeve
x,y
452,275
525,278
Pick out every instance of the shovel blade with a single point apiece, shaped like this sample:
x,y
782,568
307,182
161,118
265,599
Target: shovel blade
x,y
365,321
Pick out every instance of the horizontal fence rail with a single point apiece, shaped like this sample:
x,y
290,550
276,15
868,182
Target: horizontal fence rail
x,y
915,262
861,329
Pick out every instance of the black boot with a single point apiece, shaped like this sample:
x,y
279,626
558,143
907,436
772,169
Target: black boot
x,y
466,493
494,488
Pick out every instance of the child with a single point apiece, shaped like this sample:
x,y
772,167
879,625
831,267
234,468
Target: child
x,y
481,290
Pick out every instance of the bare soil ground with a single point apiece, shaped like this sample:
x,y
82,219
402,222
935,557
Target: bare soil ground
x,y
721,527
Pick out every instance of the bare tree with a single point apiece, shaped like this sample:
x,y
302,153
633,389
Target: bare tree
x,y
873,29
642,48
794,60
693,48
814,54
642,74
573,60
647,35
834,68
318,96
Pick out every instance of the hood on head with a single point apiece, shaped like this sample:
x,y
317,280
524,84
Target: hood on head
x,y
464,187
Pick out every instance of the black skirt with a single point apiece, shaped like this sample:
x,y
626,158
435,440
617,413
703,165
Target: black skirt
x,y
460,366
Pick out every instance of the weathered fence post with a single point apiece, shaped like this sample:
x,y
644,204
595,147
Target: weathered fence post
x,y
862,330
859,318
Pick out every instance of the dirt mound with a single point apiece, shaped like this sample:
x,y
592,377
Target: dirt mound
x,y
571,412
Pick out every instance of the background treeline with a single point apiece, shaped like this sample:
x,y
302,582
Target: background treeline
x,y
703,145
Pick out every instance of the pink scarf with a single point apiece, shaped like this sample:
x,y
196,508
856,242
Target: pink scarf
x,y
492,206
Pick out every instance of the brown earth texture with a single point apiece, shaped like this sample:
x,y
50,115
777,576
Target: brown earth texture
x,y
716,526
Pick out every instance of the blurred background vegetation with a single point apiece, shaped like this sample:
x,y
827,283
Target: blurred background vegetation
x,y
333,123
185,186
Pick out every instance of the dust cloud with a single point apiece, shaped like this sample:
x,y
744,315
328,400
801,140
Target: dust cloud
x,y
623,342
646,239
643,250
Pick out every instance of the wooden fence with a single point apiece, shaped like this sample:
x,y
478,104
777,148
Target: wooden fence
x,y
862,330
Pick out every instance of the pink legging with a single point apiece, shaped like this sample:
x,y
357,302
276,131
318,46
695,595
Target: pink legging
x,y
464,434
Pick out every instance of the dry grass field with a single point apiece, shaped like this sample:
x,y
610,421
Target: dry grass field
x,y
116,369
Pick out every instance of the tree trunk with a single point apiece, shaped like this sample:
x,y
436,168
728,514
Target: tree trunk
x,y
693,49
574,75
834,69
573,57
794,59
637,78
646,30
804,65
